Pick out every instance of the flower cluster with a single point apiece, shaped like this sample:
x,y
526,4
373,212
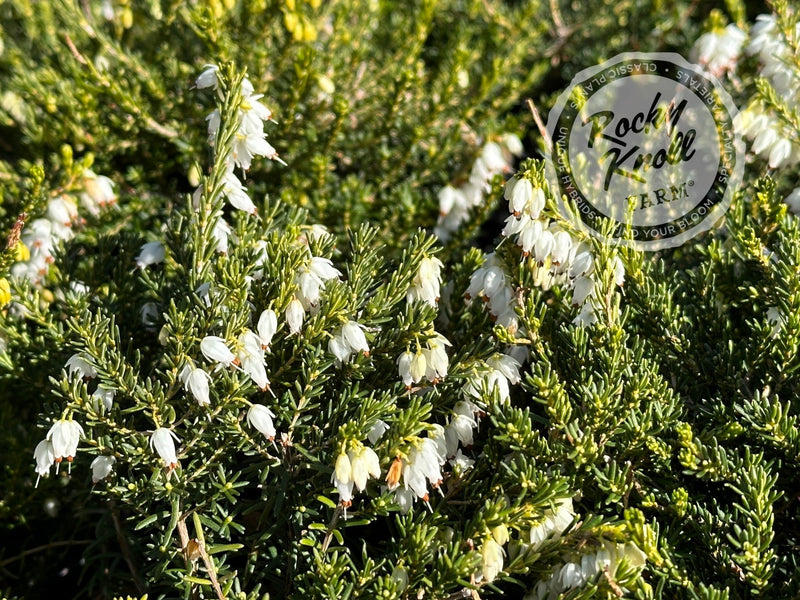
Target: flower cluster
x,y
554,522
41,237
496,374
429,362
250,139
248,356
352,469
490,283
718,50
574,574
426,282
419,466
492,554
456,202
310,279
558,257
61,442
349,339
773,139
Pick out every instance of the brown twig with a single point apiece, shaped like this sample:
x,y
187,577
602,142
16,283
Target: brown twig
x,y
125,549
537,118
42,548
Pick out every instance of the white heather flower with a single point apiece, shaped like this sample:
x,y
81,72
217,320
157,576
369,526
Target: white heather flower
x,y
780,152
260,417
215,350
451,198
62,211
619,271
353,334
103,397
562,245
586,316
423,463
254,113
99,192
220,233
518,192
295,314
150,253
719,51
101,467
583,264
512,143
544,246
413,366
571,576
348,340
436,361
376,431
425,285
462,422
312,277
461,463
195,381
491,559
507,365
493,158
404,367
364,463
44,455
214,121
490,380
162,442
266,327
554,523
76,364
582,290
251,358
208,78
235,192
65,435
342,478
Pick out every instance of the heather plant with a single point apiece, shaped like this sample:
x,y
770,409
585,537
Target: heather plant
x,y
290,309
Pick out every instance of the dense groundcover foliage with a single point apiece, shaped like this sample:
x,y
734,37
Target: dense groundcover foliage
x,y
287,310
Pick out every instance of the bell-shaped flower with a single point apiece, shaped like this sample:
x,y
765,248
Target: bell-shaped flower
x,y
425,284
150,254
492,555
295,314
342,478
364,463
104,397
376,431
101,467
260,417
208,78
78,365
163,441
65,435
436,361
251,358
216,350
423,463
348,340
45,456
195,381
266,327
